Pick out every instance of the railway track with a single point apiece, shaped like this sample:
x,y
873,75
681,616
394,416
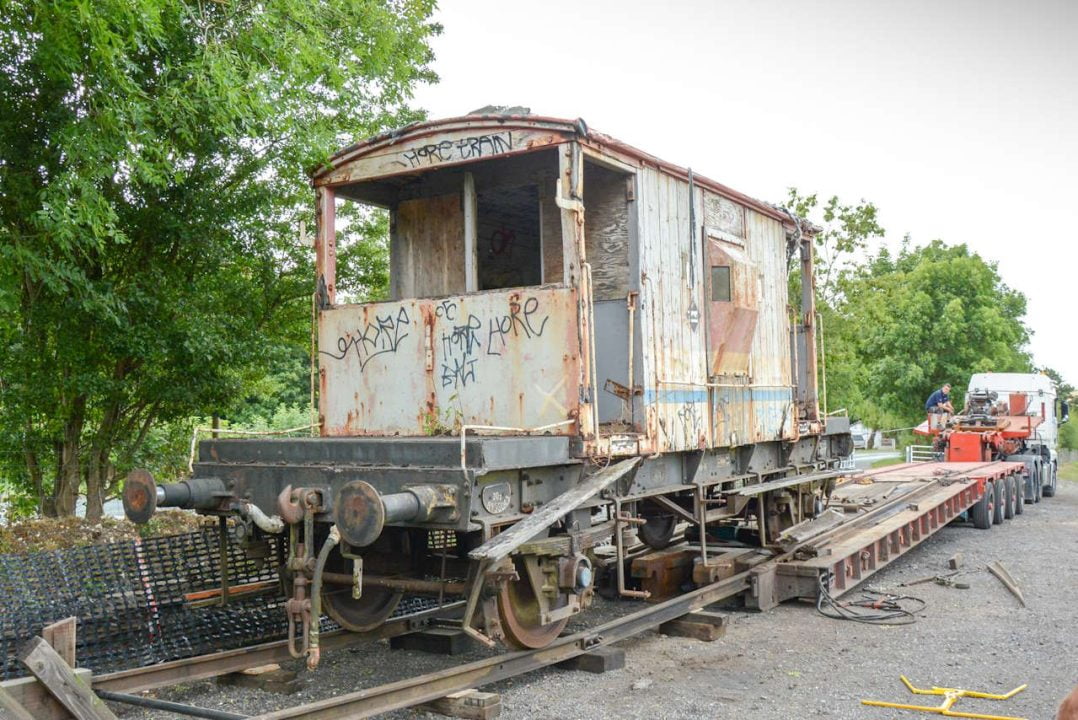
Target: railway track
x,y
421,688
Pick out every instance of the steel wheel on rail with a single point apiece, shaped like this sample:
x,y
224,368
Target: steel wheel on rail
x,y
658,531
519,611
998,510
372,609
984,508
1010,507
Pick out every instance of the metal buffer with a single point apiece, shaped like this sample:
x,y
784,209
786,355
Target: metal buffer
x,y
950,697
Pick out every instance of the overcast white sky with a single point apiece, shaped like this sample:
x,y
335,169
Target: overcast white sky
x,y
958,118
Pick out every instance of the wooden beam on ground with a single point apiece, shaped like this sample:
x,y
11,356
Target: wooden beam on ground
x,y
598,660
73,692
270,678
36,699
468,704
1009,582
698,625
61,636
436,640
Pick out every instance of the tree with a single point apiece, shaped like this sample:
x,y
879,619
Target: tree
x,y
845,231
152,177
921,318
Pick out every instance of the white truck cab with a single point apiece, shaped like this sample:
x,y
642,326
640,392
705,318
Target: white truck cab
x,y
1030,394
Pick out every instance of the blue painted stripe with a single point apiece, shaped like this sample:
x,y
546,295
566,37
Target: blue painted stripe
x,y
681,396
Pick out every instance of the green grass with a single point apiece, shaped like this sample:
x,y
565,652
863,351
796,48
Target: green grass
x,y
1069,471
884,462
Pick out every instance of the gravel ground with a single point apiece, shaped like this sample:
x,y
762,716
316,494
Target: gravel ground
x,y
792,662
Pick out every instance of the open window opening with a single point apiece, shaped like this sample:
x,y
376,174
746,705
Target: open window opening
x,y
487,225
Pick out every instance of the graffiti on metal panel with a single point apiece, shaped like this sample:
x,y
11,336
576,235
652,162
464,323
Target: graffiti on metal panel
x,y
376,338
464,343
468,148
466,337
522,321
459,346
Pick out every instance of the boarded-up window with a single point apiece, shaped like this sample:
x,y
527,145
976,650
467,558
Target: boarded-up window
x,y
720,283
606,230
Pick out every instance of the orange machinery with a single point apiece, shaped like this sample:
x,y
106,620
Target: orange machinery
x,y
985,431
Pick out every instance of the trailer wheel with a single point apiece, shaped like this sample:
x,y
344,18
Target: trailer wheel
x,y
999,512
1010,493
985,507
1050,485
1038,487
1019,493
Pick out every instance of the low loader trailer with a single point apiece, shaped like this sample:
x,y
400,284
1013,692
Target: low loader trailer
x,y
875,519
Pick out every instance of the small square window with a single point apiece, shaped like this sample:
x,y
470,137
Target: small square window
x,y
720,283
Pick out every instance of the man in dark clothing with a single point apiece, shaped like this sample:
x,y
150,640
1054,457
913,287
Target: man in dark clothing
x,y
940,401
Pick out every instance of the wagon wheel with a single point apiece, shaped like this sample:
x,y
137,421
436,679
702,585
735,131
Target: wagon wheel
x,y
658,531
368,612
519,611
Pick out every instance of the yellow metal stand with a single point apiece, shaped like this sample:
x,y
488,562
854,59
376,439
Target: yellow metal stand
x,y
951,696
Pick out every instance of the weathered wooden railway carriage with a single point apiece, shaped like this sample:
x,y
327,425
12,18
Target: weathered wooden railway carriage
x,y
580,338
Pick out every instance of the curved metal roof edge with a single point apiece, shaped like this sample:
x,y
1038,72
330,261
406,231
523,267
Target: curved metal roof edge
x,y
578,127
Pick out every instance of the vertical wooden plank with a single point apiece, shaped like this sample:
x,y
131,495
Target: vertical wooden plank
x,y
72,692
432,228
61,636
397,256
471,266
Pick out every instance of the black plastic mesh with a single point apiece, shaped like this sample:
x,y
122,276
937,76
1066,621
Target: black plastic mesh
x,y
130,601
134,603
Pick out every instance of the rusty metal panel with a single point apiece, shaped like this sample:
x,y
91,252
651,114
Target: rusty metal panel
x,y
732,311
426,366
671,268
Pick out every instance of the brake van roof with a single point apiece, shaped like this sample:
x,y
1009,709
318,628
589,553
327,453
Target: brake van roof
x,y
533,132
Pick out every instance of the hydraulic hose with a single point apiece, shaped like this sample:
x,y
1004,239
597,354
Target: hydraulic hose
x,y
313,652
274,525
